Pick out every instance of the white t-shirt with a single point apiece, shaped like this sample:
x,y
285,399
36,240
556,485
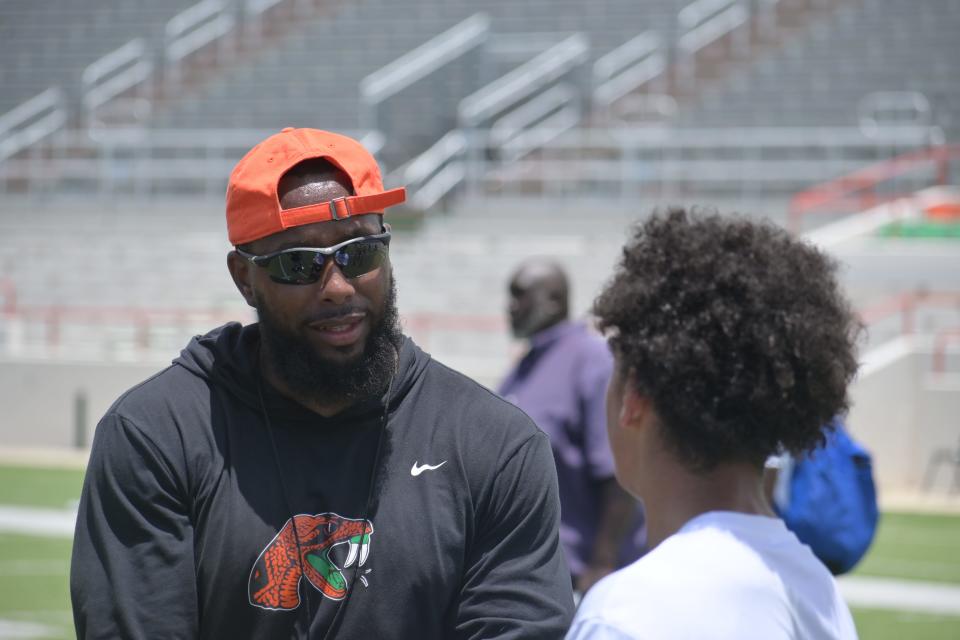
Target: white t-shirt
x,y
723,575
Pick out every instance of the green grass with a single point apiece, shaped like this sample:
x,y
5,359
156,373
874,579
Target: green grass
x,y
34,570
921,229
880,624
39,487
911,546
915,546
34,582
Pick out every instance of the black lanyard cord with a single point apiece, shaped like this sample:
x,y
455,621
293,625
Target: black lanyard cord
x,y
384,423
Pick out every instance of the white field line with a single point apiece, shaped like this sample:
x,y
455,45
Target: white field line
x,y
15,629
902,595
55,523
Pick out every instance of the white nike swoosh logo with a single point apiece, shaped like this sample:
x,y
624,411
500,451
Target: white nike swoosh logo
x,y
416,469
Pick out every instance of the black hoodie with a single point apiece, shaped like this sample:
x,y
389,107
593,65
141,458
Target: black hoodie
x,y
186,526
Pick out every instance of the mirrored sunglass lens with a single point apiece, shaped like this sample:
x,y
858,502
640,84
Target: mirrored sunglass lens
x,y
360,258
305,267
297,266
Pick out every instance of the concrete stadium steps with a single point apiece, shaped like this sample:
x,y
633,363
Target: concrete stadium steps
x,y
819,78
49,43
172,255
91,269
78,255
309,79
101,266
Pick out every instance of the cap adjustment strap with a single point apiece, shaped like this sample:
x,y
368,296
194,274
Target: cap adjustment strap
x,y
343,207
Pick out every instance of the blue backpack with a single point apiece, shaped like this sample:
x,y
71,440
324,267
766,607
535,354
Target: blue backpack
x,y
833,501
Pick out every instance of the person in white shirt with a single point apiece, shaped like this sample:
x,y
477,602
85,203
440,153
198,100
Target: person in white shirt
x,y
731,342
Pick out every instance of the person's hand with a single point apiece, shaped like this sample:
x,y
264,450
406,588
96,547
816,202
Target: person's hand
x,y
591,575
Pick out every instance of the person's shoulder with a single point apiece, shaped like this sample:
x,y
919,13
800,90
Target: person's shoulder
x,y
158,395
461,393
487,430
585,342
627,603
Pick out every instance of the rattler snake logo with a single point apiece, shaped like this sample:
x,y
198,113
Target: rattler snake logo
x,y
275,577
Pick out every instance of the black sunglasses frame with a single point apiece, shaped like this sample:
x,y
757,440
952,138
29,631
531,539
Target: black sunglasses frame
x,y
264,260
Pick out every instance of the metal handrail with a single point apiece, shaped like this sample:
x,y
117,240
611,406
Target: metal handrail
x,y
435,172
141,159
31,121
630,155
628,67
425,59
196,27
858,189
536,122
701,23
524,81
705,21
256,7
749,138
115,73
878,102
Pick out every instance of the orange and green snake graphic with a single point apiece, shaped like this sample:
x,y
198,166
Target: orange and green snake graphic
x,y
275,577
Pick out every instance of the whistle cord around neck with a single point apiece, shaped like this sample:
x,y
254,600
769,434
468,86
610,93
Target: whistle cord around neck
x,y
384,423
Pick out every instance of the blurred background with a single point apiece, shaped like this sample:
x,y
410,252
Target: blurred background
x,y
521,128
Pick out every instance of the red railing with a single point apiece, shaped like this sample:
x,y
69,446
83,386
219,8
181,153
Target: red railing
x,y
422,325
144,320
906,305
8,290
940,342
859,190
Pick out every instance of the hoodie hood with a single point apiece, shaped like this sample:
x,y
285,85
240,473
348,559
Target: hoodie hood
x,y
227,357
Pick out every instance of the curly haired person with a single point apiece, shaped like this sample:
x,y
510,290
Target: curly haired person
x,y
731,341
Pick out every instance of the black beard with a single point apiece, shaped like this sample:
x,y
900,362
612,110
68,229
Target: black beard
x,y
309,376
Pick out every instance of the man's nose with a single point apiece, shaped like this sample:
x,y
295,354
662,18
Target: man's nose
x,y
337,289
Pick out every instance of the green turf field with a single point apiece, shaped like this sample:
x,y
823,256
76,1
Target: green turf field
x,y
878,624
34,570
924,228
30,486
915,547
34,585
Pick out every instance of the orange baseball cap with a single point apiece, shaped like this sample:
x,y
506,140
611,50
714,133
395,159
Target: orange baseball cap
x,y
253,205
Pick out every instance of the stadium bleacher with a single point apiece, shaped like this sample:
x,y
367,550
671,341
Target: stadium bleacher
x,y
289,81
112,241
44,44
821,76
292,83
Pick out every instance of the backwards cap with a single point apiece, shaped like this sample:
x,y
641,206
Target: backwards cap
x,y
253,204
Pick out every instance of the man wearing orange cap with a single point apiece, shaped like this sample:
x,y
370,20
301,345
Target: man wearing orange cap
x,y
316,475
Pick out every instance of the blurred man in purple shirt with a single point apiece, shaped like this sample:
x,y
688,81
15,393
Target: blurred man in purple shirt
x,y
561,383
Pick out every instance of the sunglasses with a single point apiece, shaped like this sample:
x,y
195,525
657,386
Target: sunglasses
x,y
304,265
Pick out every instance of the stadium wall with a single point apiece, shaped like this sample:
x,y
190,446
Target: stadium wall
x,y
903,414
39,399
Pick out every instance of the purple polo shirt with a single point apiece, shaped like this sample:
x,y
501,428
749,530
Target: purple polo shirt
x,y
561,384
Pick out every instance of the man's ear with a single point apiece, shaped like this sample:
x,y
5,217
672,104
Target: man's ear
x,y
636,408
240,271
